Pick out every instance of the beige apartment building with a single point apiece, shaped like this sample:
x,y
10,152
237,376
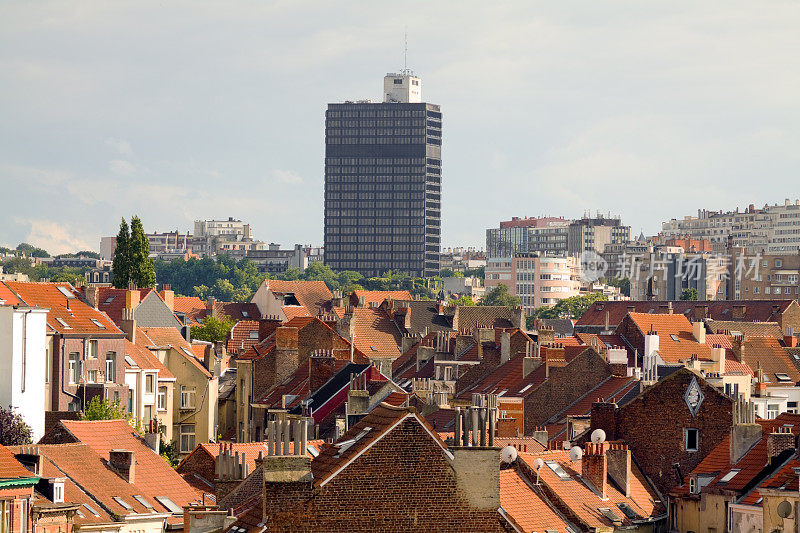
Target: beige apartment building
x,y
537,278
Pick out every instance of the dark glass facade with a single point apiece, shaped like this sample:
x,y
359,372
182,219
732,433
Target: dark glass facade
x,y
383,184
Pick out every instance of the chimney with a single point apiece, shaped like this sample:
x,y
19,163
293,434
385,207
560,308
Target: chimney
x,y
475,457
699,331
152,437
287,478
132,298
168,295
407,342
738,346
745,432
211,306
518,318
554,358
336,301
320,369
619,466
505,347
358,395
91,293
594,467
541,435
361,301
123,462
718,356
463,341
790,341
287,356
267,326
739,311
128,324
778,441
439,307
230,469
424,353
532,359
506,427
547,335
604,416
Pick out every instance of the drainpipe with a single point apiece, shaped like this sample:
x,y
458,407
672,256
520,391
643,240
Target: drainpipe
x,y
63,390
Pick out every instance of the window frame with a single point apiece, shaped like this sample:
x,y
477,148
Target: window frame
x,y
183,432
686,433
161,398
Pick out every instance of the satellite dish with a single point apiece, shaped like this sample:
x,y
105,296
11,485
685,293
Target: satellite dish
x,y
784,509
575,454
508,454
538,463
598,436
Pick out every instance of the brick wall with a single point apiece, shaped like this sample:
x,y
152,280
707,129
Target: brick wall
x,y
563,387
653,426
414,491
200,463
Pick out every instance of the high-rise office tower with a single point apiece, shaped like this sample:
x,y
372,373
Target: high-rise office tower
x,y
383,182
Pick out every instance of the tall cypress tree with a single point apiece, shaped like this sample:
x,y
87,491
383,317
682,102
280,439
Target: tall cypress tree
x,y
121,275
141,266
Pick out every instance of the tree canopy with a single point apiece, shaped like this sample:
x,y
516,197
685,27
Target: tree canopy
x,y
499,297
689,294
132,263
213,329
13,429
572,307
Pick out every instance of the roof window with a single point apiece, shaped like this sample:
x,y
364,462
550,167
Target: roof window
x,y
730,475
244,314
674,337
628,511
91,509
374,349
556,468
123,503
65,291
144,502
170,505
131,362
609,514
782,377
110,299
345,445
63,323
97,323
526,387
254,334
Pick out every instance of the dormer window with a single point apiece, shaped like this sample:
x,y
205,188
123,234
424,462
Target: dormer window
x,y
58,490
694,488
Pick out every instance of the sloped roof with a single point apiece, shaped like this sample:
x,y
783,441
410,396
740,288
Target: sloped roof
x,y
191,306
243,335
375,333
524,505
237,310
583,501
161,337
425,317
294,311
676,342
10,468
311,294
145,359
771,356
78,319
111,300
377,297
154,476
8,296
771,329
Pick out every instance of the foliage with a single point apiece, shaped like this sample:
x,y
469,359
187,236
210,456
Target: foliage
x,y
13,429
87,253
101,409
464,300
213,329
141,266
200,277
170,453
689,294
572,307
31,251
450,273
499,297
479,272
121,275
624,285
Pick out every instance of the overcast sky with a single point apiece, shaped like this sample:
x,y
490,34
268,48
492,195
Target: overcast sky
x,y
178,111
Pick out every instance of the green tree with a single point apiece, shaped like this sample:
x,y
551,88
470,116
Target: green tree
x,y
572,307
121,269
623,284
101,409
31,250
499,297
13,429
19,265
213,329
141,266
689,294
464,300
479,272
87,253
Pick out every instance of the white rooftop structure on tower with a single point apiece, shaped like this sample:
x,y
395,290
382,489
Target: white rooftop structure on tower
x,y
404,87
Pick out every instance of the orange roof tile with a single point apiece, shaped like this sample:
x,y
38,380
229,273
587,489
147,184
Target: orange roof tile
x,y
524,505
146,360
67,314
377,297
161,337
191,306
294,311
676,343
771,356
8,297
243,335
375,333
10,468
311,294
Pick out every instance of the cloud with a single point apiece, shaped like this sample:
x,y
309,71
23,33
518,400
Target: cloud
x,y
120,167
287,176
122,146
56,237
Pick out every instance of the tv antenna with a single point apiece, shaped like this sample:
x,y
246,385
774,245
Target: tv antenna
x,y
405,51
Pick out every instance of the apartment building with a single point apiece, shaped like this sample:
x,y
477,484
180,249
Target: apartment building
x,y
592,234
534,234
537,278
752,277
773,229
668,271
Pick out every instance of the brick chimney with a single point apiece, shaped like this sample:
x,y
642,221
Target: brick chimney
x,y
168,295
778,441
123,462
619,466
287,478
699,331
554,358
604,416
532,359
594,467
739,311
230,469
132,297
358,395
475,457
505,347
506,427
91,293
267,326
287,356
745,432
546,335
128,324
320,368
718,356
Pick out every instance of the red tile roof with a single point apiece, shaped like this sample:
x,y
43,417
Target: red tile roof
x,y
771,356
146,360
111,300
311,294
8,297
237,310
524,505
667,326
243,335
10,468
377,297
294,311
77,319
162,337
191,306
375,333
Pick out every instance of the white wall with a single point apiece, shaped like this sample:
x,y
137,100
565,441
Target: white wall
x,y
24,358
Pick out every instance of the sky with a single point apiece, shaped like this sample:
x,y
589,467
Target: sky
x,y
176,110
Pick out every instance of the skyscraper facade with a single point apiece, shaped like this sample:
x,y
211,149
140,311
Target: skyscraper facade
x,y
383,182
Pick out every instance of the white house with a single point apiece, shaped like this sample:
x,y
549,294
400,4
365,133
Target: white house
x,y
24,363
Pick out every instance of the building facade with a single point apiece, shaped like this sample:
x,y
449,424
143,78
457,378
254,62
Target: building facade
x,y
383,182
535,234
593,234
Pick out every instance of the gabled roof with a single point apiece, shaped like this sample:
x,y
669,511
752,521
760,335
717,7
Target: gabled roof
x,y
311,294
379,422
676,342
425,317
525,506
584,502
191,306
243,335
10,468
79,318
375,334
111,300
771,356
294,311
7,296
145,359
237,310
171,337
154,476
377,297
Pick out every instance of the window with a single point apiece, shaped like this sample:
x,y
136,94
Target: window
x,y
111,366
692,439
773,410
729,476
693,486
91,376
91,349
98,323
254,335
149,383
161,399
187,438
783,377
187,397
74,373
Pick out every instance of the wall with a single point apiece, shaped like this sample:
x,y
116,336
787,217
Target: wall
x,y
26,397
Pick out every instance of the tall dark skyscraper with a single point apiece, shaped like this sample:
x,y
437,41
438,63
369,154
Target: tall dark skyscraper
x,y
383,182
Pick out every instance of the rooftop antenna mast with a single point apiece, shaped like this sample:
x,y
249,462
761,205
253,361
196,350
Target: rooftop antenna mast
x,y
405,52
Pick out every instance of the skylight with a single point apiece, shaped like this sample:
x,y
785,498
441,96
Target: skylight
x,y
144,502
608,513
123,503
674,337
63,323
526,387
782,377
110,299
80,513
729,476
244,314
254,334
91,509
312,451
97,323
556,468
345,445
628,511
170,505
65,291
374,349
131,362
